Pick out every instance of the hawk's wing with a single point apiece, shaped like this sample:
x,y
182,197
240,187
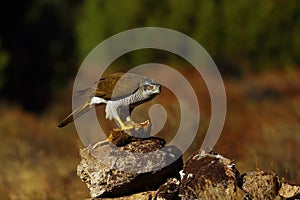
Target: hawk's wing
x,y
115,86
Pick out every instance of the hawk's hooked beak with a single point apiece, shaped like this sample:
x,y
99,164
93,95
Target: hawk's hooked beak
x,y
156,88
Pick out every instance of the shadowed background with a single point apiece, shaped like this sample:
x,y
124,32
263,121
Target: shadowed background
x,y
255,44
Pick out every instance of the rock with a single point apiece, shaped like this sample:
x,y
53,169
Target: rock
x,y
118,138
125,167
149,195
260,185
140,165
289,191
208,176
169,190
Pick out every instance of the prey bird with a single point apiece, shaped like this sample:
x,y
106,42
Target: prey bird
x,y
120,92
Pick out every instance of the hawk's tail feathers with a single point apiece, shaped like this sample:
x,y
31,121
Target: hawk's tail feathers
x,y
86,106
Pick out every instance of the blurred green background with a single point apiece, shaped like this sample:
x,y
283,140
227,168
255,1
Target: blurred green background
x,y
255,44
42,43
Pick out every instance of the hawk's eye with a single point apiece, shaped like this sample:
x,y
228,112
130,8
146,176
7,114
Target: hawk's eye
x,y
148,87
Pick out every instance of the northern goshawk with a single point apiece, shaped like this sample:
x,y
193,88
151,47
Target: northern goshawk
x,y
121,92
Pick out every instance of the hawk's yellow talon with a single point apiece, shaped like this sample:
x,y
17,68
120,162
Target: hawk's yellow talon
x,y
127,128
123,126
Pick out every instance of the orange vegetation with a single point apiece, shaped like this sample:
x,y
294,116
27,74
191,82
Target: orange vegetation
x,y
262,130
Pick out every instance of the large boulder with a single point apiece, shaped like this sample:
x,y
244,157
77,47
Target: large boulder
x,y
208,176
139,165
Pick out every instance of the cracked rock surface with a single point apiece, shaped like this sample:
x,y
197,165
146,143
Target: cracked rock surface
x,y
140,165
205,175
125,168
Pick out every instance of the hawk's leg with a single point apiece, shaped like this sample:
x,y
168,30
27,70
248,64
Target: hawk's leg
x,y
123,126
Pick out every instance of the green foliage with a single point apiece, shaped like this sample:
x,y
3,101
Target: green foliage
x,y
87,35
47,40
244,34
4,57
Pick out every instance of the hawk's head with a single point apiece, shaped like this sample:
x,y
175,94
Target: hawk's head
x,y
149,89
